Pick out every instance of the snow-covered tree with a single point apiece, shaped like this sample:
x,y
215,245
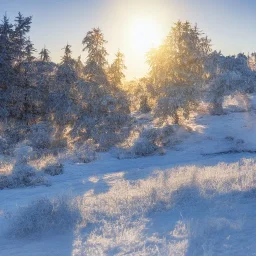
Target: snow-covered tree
x,y
45,55
7,58
22,28
117,68
66,74
94,44
181,57
29,50
79,66
228,75
177,68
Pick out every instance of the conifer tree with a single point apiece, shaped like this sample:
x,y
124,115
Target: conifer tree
x,y
7,56
116,69
96,59
29,49
79,66
67,54
22,27
45,55
6,61
66,74
177,69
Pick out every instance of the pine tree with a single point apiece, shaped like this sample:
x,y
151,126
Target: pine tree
x,y
7,56
29,49
79,66
66,73
22,27
45,55
96,59
116,69
7,75
67,54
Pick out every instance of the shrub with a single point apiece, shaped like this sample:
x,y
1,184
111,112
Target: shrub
x,y
150,141
86,153
22,153
143,147
40,136
44,215
22,175
54,169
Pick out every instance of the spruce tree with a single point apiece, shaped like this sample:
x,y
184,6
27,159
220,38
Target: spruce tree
x,y
29,49
67,54
6,60
45,55
96,59
116,69
22,27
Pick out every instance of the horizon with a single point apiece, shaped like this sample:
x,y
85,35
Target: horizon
x,y
231,31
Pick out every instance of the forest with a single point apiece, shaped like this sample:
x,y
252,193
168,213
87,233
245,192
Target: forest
x,y
62,124
82,108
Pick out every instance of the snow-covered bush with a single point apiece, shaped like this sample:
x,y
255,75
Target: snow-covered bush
x,y
149,141
22,153
25,175
22,175
86,152
40,136
44,215
238,102
177,103
54,169
228,76
143,147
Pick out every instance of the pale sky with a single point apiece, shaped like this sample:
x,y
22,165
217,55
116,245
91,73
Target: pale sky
x,y
133,26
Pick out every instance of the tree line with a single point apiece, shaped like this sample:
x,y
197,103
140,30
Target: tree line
x,y
64,105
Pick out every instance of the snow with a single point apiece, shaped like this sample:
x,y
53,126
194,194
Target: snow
x,y
224,224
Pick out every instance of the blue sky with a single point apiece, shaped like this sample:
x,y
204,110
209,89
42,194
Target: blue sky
x,y
229,23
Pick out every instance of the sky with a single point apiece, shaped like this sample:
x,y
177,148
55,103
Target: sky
x,y
230,24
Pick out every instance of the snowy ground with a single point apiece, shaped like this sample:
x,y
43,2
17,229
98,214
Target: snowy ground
x,y
199,220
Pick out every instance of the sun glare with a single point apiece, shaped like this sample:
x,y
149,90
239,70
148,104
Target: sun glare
x,y
145,34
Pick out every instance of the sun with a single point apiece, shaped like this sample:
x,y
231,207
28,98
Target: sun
x,y
145,34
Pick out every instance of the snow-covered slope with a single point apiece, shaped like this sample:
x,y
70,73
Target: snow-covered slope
x,y
184,219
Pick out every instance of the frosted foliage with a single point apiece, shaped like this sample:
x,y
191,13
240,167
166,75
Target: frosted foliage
x,y
86,153
120,220
44,215
22,153
228,76
22,175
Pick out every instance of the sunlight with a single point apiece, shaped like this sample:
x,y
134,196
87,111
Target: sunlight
x,y
145,34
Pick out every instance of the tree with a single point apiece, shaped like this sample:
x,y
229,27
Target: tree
x,y
66,74
22,27
96,59
116,69
67,54
79,66
45,55
29,49
177,69
181,58
228,75
7,56
6,61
